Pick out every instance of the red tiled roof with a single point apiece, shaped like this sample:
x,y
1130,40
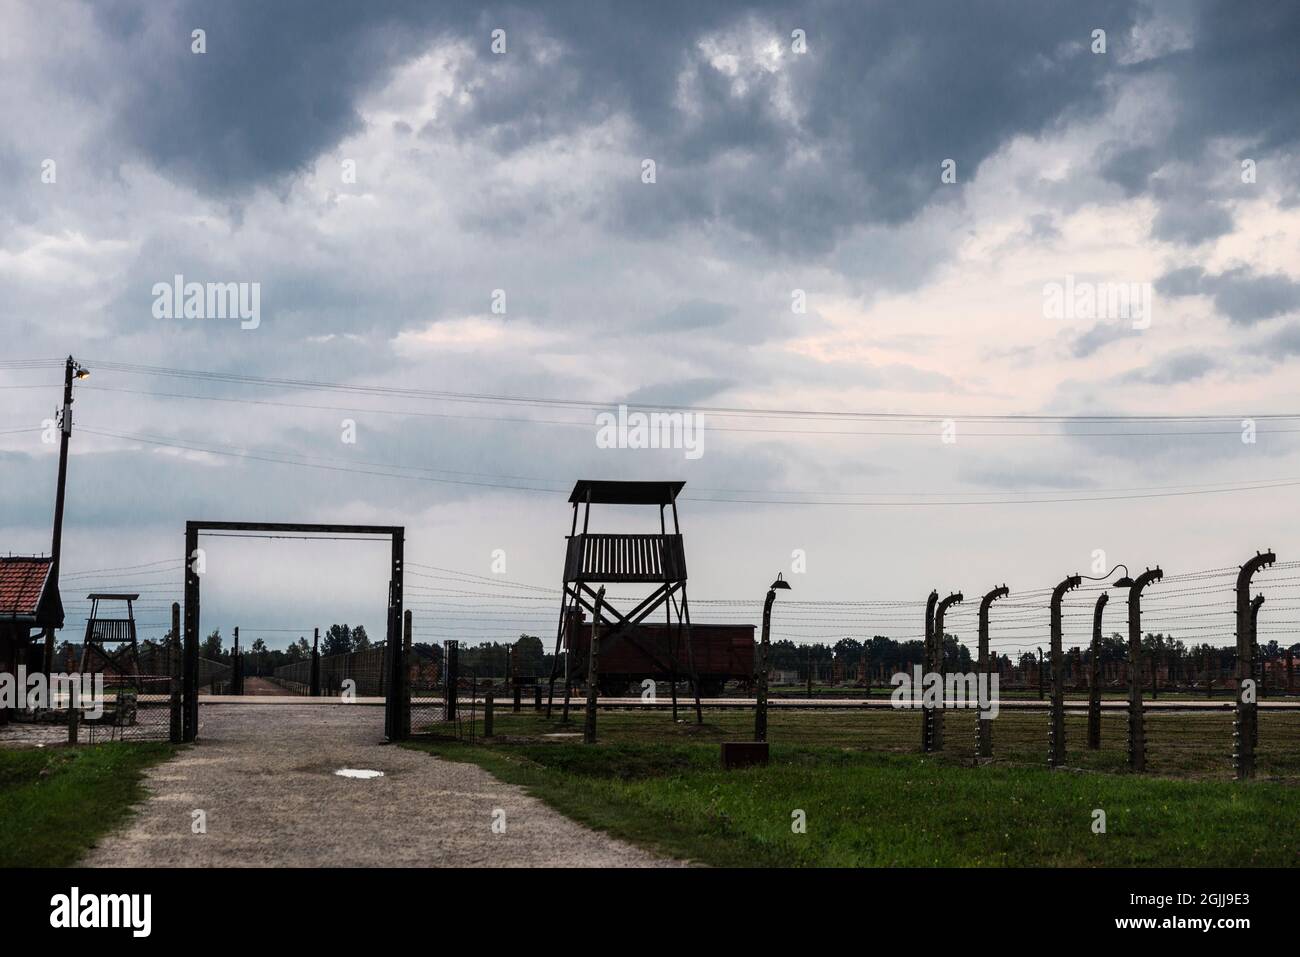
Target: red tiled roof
x,y
22,582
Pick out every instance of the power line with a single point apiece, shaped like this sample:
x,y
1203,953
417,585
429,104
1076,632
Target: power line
x,y
321,462
482,397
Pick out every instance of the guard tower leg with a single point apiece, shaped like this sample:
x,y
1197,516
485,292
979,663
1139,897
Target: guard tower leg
x,y
690,659
555,659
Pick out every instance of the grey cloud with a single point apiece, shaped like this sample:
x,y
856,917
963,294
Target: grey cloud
x,y
1191,223
1174,369
1128,167
1240,294
685,392
1100,336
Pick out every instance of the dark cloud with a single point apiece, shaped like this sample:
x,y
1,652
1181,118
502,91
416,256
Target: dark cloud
x,y
277,86
1174,369
1191,223
1240,294
1127,167
686,392
1100,336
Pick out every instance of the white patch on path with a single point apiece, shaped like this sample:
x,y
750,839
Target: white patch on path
x,y
265,776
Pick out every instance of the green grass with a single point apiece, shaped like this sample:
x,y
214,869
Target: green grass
x,y
56,802
871,803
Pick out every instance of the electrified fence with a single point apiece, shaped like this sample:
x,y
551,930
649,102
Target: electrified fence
x,y
1187,678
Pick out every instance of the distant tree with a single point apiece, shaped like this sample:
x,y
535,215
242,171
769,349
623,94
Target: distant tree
x,y
210,647
360,640
529,653
337,640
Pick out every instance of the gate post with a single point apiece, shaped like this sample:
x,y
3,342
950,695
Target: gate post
x,y
174,669
406,675
1244,731
190,678
1056,728
390,684
983,725
1094,676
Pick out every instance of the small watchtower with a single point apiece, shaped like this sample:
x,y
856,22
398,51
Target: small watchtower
x,y
603,558
102,631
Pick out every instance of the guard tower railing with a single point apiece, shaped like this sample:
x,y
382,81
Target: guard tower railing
x,y
625,558
109,630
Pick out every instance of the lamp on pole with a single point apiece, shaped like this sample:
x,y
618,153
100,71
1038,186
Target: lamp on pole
x,y
760,711
71,370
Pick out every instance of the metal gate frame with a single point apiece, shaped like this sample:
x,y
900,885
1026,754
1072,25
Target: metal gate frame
x,y
395,721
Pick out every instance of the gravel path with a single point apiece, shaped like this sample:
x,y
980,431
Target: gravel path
x,y
264,775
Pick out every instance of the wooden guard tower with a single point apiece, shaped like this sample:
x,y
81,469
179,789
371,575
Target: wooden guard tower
x,y
125,661
658,560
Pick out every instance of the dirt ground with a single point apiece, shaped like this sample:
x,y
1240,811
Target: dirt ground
x,y
264,777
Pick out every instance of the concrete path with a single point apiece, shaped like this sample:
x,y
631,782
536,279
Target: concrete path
x,y
264,776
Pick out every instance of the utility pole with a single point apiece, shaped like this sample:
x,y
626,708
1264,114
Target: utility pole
x,y
1137,740
983,725
71,370
1244,734
1056,736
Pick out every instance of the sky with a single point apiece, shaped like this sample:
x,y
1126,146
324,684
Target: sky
x,y
833,231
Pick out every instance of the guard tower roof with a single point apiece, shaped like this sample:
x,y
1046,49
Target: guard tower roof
x,y
626,493
113,596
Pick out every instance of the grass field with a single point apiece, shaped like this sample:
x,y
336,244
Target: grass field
x,y
870,800
55,802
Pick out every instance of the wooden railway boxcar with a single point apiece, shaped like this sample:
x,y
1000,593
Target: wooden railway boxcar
x,y
722,653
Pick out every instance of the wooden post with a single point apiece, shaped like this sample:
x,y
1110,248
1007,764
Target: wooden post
x,y
927,665
1056,733
1094,676
537,697
1209,676
808,657
488,703
1137,739
314,688
74,711
937,716
593,671
174,668
983,725
406,674
1244,731
519,697
760,672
